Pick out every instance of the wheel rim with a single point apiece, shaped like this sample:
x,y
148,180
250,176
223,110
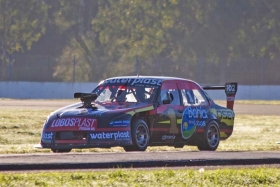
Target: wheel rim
x,y
213,136
142,135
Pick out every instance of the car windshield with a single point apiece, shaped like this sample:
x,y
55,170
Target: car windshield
x,y
125,93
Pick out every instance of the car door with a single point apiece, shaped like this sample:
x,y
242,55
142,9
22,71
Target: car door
x,y
196,109
168,114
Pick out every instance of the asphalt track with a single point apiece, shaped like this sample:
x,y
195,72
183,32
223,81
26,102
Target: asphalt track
x,y
58,161
135,160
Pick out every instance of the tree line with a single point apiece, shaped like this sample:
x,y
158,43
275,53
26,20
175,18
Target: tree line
x,y
105,36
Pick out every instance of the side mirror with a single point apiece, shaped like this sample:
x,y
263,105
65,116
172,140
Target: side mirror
x,y
168,98
166,101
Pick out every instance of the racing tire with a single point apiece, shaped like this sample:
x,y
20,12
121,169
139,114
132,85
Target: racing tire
x,y
129,148
61,150
211,137
140,135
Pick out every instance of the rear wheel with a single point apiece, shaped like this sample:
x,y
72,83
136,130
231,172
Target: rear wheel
x,y
211,137
140,136
61,150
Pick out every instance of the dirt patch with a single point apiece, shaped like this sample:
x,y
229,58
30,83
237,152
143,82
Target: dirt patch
x,y
35,104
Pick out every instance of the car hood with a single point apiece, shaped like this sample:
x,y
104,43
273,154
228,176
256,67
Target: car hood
x,y
101,111
99,108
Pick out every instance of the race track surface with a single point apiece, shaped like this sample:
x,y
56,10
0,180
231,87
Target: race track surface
x,y
134,159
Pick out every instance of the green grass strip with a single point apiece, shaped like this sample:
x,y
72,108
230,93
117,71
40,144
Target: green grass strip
x,y
160,177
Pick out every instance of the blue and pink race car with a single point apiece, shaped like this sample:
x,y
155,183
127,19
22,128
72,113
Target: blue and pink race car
x,y
135,112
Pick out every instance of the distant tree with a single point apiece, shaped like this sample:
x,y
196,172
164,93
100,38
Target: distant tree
x,y
22,22
165,29
74,20
106,44
261,28
106,35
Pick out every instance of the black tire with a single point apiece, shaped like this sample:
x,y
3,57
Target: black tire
x,y
140,136
129,148
211,137
61,150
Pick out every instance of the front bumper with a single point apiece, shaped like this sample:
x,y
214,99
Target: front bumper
x,y
71,140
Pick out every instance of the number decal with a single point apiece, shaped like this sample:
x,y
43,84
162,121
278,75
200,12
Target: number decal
x,y
231,88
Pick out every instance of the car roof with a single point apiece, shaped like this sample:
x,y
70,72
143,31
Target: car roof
x,y
149,77
161,78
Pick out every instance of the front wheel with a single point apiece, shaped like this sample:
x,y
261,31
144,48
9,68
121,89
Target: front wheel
x,y
140,136
211,137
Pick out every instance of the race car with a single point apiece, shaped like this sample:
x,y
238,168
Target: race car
x,y
135,112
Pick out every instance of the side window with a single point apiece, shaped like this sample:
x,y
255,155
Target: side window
x,y
188,97
184,97
192,94
169,89
193,97
176,98
200,97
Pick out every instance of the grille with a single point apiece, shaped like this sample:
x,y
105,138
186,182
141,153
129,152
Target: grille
x,y
71,135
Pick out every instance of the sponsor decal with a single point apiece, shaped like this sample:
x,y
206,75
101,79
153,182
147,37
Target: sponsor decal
x,y
226,117
192,117
196,113
168,137
117,136
147,81
156,82
225,114
120,123
80,123
47,135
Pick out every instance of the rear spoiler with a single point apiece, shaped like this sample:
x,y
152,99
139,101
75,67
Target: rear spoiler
x,y
230,89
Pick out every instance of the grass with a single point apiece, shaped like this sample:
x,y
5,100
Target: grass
x,y
253,132
21,129
159,177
